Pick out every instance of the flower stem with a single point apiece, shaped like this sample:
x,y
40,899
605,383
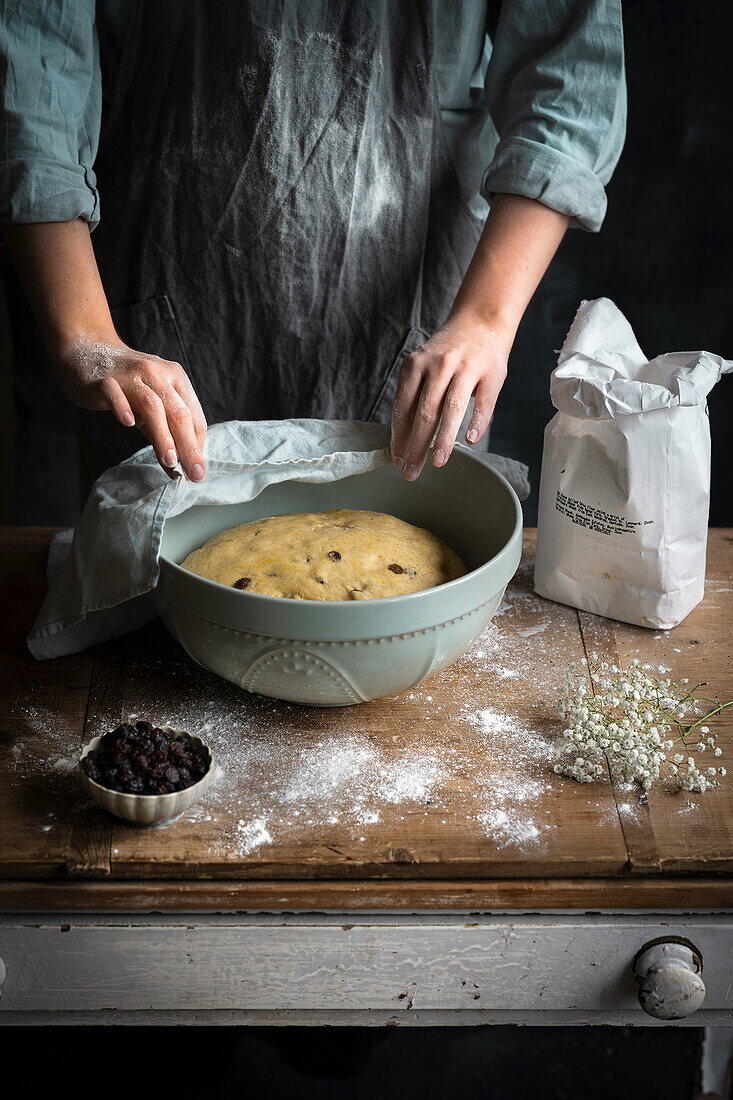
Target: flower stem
x,y
720,706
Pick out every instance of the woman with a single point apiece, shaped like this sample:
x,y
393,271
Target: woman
x,y
294,202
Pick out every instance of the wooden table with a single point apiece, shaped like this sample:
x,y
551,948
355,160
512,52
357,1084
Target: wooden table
x,y
414,853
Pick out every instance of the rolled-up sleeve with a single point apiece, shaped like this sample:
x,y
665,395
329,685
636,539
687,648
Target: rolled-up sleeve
x,y
51,89
556,91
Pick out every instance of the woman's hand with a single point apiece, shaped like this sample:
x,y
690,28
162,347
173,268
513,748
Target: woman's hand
x,y
140,390
464,358
468,354
57,266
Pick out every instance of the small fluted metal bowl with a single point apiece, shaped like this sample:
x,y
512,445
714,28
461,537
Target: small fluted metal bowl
x,y
341,652
148,809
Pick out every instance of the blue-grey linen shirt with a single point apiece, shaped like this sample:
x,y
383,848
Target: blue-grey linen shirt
x,y
537,110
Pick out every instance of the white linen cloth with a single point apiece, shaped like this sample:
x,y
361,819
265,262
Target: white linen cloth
x,y
625,483
101,574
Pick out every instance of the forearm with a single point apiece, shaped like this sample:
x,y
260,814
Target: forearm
x,y
519,239
468,354
58,269
94,368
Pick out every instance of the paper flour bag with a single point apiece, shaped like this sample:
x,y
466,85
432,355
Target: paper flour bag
x,y
625,484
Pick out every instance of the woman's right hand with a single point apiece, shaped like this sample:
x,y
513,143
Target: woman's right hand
x,y
58,268
141,390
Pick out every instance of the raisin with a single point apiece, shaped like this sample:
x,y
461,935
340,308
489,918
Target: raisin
x,y
118,737
334,555
144,759
126,772
91,768
396,568
171,775
242,582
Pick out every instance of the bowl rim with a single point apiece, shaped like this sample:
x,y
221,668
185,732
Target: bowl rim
x,y
92,744
421,595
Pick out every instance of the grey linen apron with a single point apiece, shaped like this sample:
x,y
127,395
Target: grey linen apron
x,y
280,213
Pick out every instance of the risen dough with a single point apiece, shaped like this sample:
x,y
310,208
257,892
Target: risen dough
x,y
339,555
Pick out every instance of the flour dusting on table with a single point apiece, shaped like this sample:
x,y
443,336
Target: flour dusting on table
x,y
480,753
250,835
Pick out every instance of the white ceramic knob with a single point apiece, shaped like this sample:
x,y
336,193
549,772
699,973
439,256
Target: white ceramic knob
x,y
668,974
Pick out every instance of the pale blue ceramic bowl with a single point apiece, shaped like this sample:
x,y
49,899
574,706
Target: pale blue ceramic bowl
x,y
337,653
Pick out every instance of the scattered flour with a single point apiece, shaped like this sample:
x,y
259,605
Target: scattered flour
x,y
507,830
97,359
629,810
322,772
66,764
411,780
250,835
290,775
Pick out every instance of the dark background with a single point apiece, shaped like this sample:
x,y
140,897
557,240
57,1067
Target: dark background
x,y
665,252
412,1063
664,256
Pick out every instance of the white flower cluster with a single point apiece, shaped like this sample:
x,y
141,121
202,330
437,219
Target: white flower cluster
x,y
632,722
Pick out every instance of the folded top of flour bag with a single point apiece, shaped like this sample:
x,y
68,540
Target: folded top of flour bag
x,y
101,574
602,372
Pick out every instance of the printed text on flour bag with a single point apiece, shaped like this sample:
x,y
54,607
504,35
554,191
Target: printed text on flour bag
x,y
596,519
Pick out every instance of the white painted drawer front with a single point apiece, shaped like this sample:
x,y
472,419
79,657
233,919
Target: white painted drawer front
x,y
344,962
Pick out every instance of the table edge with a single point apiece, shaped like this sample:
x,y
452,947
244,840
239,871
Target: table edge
x,y
649,893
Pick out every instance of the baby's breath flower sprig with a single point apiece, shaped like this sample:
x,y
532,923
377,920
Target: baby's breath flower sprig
x,y
637,720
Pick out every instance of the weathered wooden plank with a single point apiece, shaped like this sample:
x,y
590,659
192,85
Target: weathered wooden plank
x,y
319,963
662,893
599,636
694,832
91,836
42,708
668,829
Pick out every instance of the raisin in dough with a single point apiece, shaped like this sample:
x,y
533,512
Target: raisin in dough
x,y
338,555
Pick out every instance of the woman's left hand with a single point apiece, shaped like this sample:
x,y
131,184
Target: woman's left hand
x,y
464,358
